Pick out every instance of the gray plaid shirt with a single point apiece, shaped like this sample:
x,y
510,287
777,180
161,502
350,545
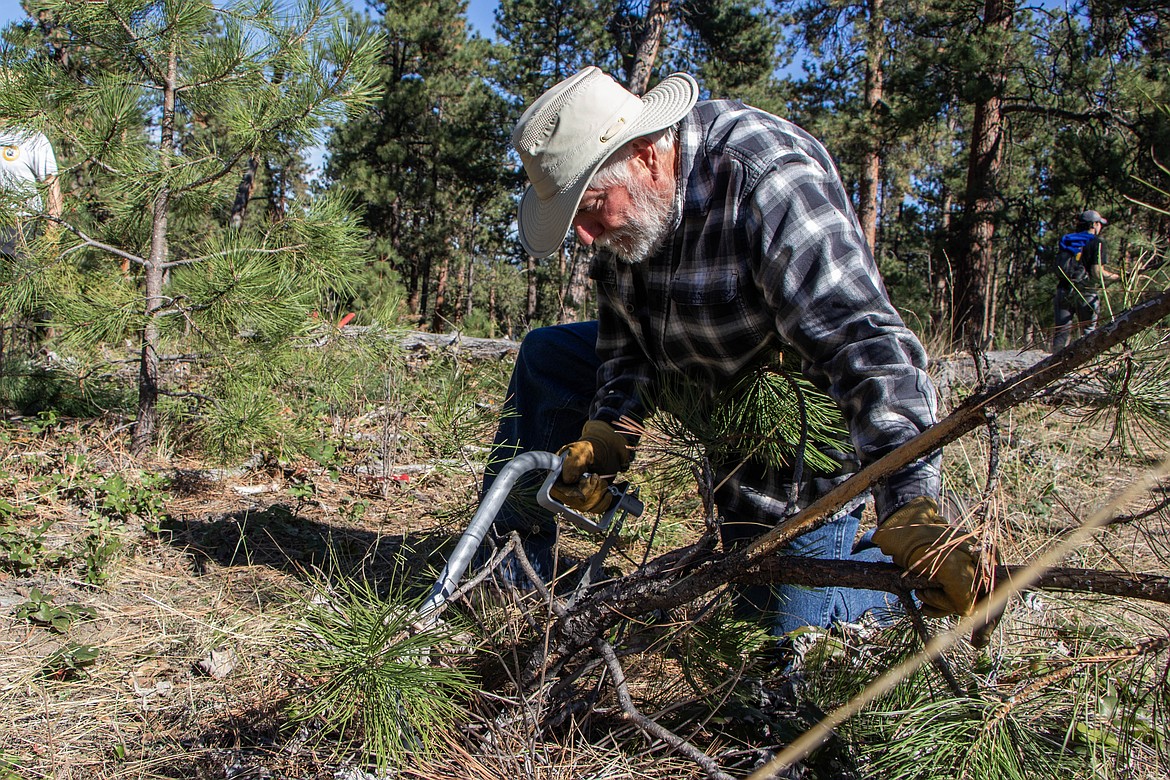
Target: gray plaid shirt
x,y
767,255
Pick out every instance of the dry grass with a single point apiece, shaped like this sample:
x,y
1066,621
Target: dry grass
x,y
221,574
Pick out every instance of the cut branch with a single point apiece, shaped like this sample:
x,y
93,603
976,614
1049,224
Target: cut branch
x,y
652,727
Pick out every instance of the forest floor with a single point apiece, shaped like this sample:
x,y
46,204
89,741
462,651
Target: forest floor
x,y
144,625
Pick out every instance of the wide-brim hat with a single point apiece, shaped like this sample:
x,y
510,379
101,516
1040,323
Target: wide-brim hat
x,y
574,127
1089,217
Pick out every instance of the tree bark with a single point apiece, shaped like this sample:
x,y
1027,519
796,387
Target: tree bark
x,y
530,300
867,196
974,315
815,573
441,279
647,51
146,420
244,193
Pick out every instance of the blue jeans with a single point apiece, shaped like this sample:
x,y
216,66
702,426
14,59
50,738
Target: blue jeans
x,y
549,396
1074,309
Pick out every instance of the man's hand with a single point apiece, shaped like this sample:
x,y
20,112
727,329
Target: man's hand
x,y
589,466
920,541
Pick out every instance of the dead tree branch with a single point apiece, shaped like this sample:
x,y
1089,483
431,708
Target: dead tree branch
x,y
651,727
815,573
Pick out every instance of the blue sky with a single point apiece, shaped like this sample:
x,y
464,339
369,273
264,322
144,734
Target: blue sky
x,y
479,12
10,10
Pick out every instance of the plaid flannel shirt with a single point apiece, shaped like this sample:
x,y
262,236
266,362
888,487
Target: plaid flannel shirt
x,y
767,255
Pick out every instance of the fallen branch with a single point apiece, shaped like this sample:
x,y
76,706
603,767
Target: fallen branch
x,y
653,728
815,573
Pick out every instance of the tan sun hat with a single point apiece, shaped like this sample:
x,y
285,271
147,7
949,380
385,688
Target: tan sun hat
x,y
565,136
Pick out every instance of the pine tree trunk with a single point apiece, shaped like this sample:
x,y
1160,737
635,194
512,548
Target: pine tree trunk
x,y
974,303
578,285
146,422
441,277
274,184
492,313
648,44
942,268
468,286
530,303
867,197
424,291
244,193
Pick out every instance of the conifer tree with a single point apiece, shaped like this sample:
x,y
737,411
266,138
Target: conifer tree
x,y
119,84
427,159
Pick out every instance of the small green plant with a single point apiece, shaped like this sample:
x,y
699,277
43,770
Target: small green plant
x,y
353,509
69,662
371,675
328,457
45,421
9,767
303,492
120,500
53,485
40,610
21,550
98,549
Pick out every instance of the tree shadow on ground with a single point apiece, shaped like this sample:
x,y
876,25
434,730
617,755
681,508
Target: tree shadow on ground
x,y
283,537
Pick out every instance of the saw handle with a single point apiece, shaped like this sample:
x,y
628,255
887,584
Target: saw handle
x,y
623,499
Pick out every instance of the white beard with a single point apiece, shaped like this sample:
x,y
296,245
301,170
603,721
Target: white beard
x,y
650,221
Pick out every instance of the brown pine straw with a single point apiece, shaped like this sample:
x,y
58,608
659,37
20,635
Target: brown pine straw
x,y
809,741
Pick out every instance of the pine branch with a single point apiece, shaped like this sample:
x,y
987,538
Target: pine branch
x,y
93,242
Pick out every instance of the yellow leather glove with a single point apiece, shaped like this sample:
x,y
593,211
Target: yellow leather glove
x,y
920,541
589,466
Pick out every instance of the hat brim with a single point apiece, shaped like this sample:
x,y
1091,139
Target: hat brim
x,y
542,224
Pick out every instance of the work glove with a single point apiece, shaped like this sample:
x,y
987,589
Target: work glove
x,y
920,541
589,466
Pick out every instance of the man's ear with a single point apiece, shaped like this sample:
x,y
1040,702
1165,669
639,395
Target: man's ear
x,y
645,154
649,157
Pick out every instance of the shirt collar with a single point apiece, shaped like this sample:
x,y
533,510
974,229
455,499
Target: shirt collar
x,y
691,194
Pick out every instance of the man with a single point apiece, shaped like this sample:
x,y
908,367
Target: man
x,y
1080,274
26,160
726,236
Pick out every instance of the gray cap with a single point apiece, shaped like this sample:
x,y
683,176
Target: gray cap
x,y
1089,217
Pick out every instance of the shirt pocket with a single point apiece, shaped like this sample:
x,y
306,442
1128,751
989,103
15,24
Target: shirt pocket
x,y
715,325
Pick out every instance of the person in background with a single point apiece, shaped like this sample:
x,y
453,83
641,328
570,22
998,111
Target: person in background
x,y
725,236
26,161
1081,273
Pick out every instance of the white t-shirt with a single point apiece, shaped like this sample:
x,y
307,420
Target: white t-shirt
x,y
26,157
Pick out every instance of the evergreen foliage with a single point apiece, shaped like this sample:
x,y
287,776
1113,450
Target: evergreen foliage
x,y
371,677
426,164
771,416
123,85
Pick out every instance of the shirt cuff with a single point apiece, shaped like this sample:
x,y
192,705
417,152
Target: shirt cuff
x,y
919,478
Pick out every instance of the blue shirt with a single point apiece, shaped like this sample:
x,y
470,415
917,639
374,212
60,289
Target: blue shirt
x,y
767,255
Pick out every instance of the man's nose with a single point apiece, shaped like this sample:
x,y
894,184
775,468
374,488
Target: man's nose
x,y
588,230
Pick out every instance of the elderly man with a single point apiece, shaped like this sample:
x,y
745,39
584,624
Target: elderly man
x,y
726,237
